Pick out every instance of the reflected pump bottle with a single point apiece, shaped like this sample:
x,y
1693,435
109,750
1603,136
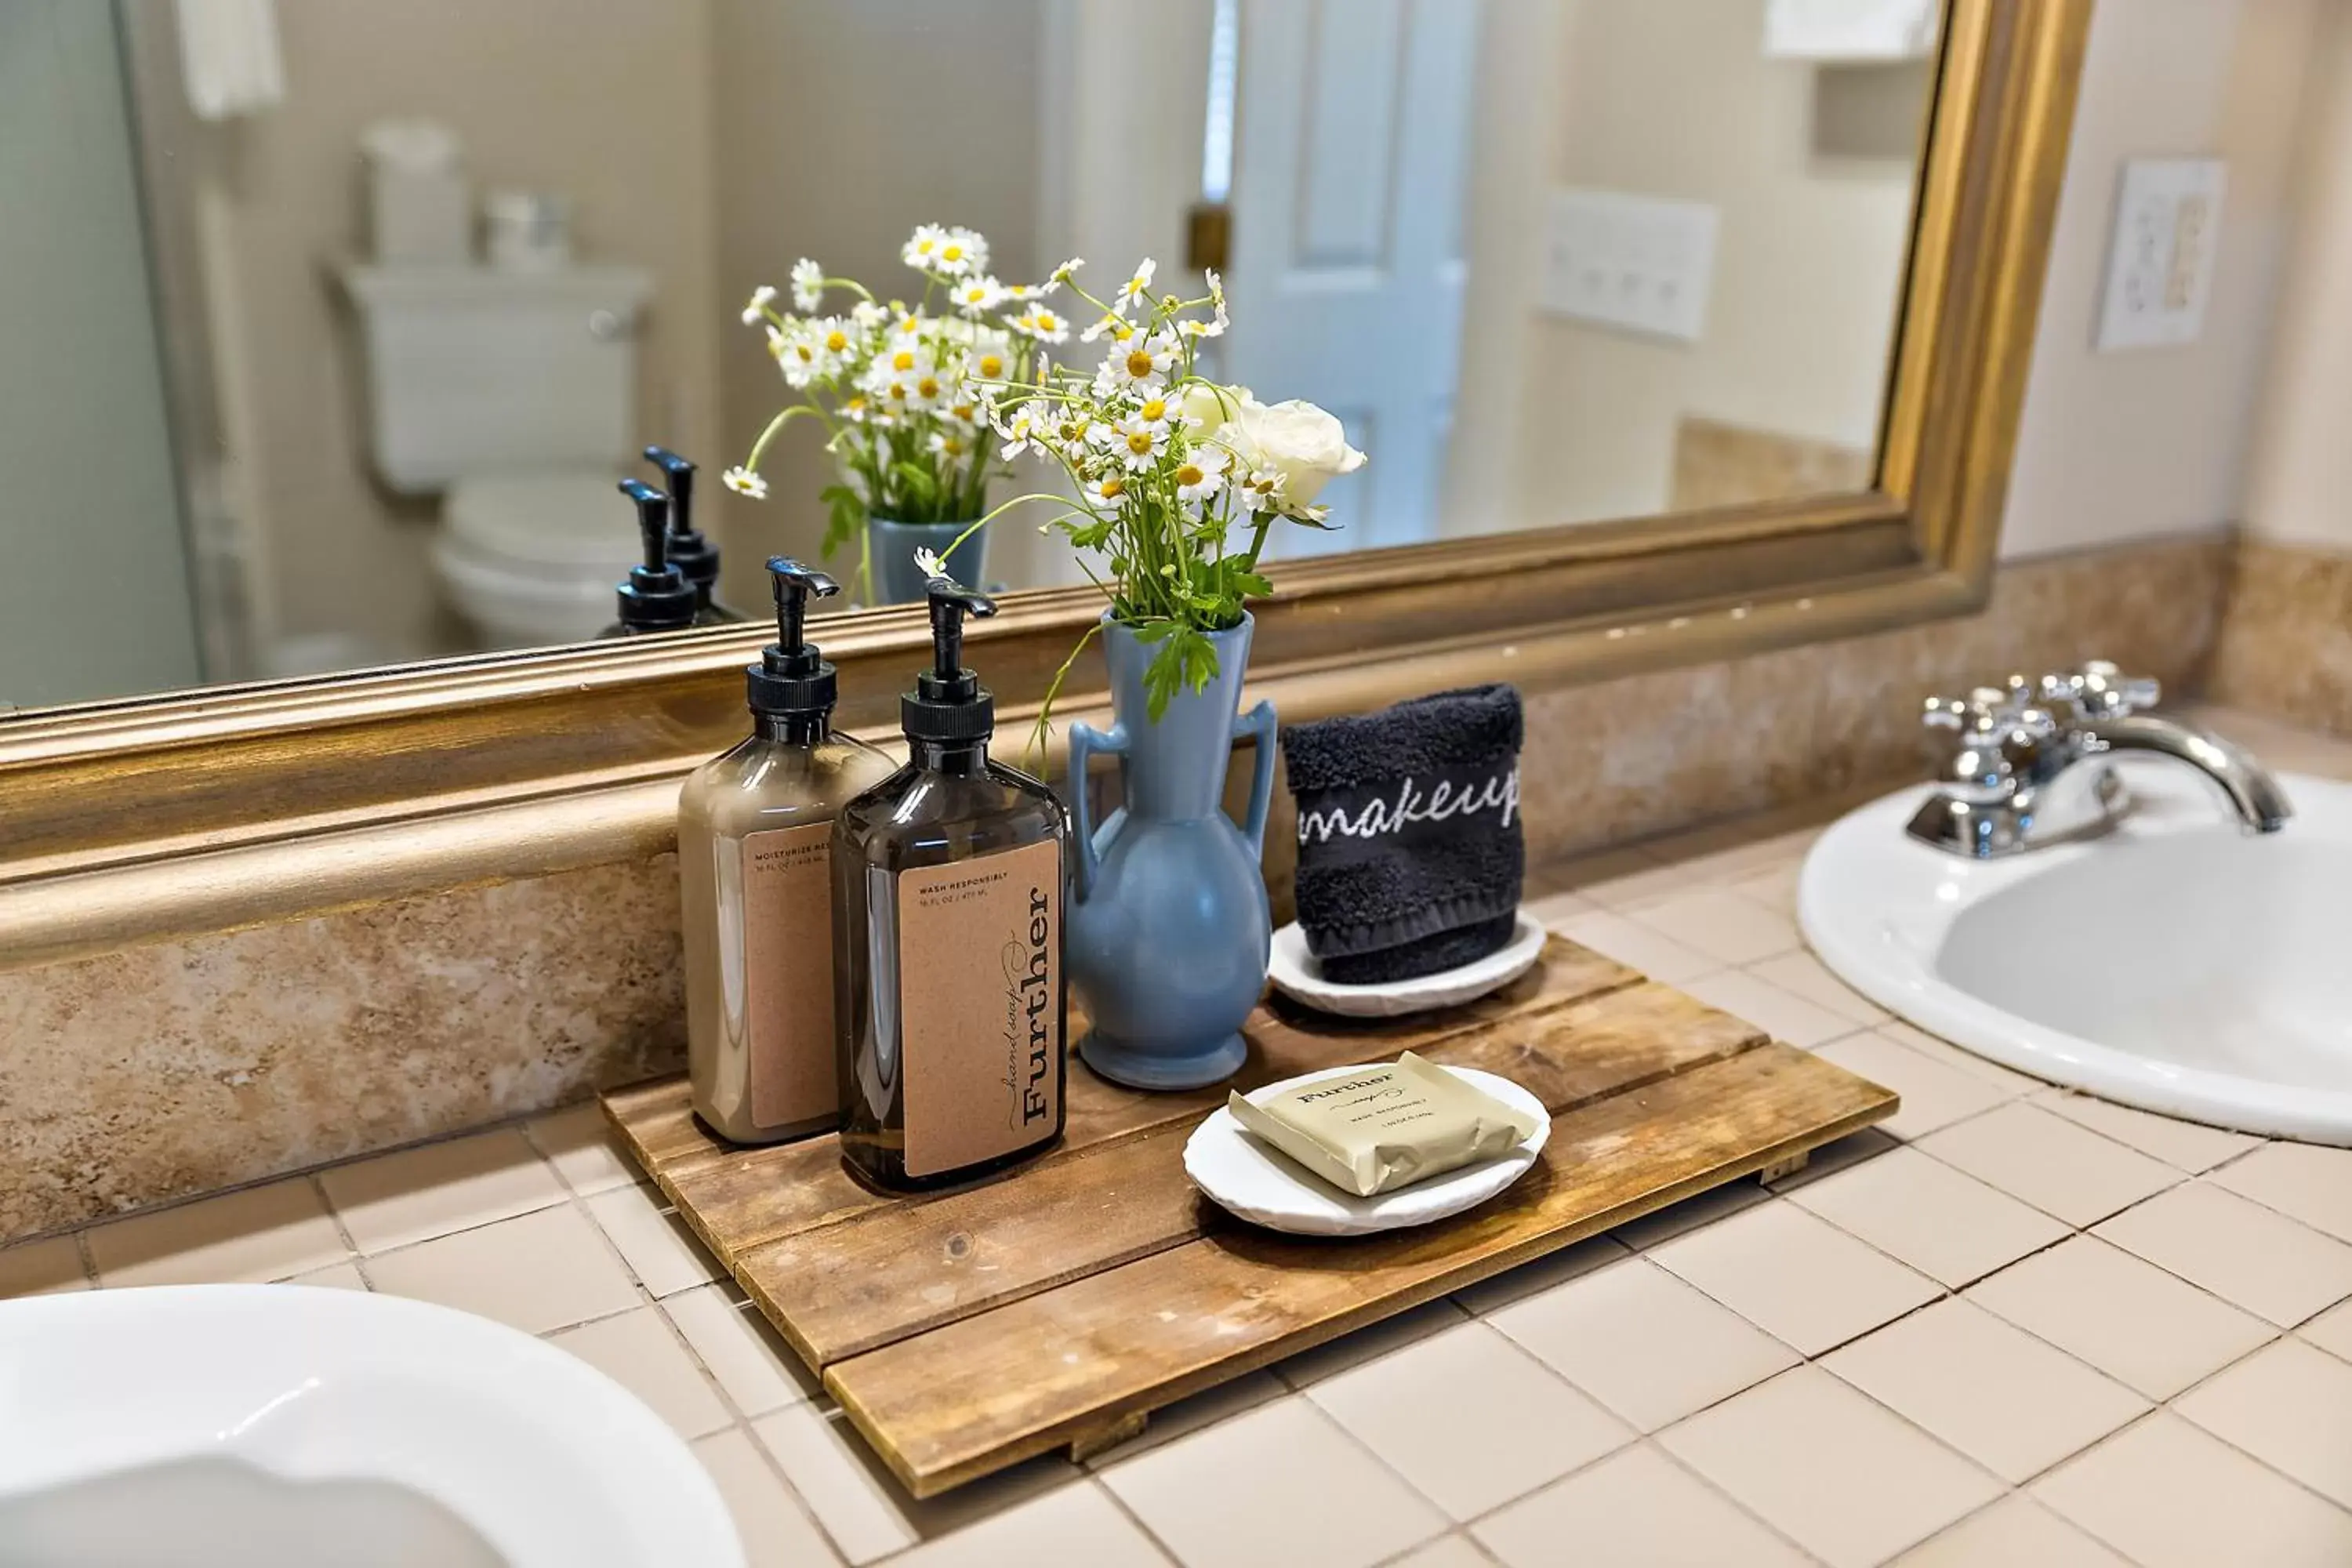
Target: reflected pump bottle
x,y
690,551
754,860
949,896
657,597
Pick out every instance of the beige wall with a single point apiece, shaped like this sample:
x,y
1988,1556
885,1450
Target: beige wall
x,y
1671,98
2154,441
2300,488
617,118
839,127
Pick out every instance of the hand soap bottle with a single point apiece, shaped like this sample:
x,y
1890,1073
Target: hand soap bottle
x,y
949,895
657,597
690,551
754,858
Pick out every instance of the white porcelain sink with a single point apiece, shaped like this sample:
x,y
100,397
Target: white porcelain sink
x,y
2177,963
262,1425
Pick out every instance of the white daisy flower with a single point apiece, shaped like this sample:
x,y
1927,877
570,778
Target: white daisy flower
x,y
1020,430
922,251
1114,324
1046,326
1265,489
744,482
856,409
1139,446
1106,493
865,315
929,563
1138,364
1064,272
1137,288
948,447
810,351
1215,327
991,358
1201,475
962,251
1158,411
974,295
757,309
808,285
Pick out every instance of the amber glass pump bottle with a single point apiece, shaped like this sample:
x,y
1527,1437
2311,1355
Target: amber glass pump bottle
x,y
690,551
755,872
949,895
657,597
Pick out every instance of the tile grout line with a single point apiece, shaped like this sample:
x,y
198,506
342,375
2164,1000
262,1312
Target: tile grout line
x,y
342,1231
1348,1437
2167,1407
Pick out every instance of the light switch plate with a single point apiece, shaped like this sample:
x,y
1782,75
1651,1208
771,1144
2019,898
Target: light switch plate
x,y
2160,261
1641,264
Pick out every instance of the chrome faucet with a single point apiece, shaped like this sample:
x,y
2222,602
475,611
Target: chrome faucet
x,y
2032,764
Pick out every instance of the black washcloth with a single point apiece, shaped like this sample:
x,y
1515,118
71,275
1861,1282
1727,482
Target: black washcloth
x,y
1409,851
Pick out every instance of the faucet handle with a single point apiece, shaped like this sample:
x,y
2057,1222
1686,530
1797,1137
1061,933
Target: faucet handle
x,y
1990,711
2100,690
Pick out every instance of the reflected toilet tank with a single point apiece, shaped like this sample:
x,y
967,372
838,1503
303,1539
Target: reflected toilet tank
x,y
474,371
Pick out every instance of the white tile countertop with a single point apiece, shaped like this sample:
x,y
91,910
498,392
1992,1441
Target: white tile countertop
x,y
2013,1326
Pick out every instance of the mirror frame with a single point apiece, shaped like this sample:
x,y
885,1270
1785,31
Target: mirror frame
x,y
157,817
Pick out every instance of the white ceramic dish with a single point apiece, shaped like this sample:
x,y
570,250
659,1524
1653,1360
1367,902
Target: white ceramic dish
x,y
1295,975
1250,1179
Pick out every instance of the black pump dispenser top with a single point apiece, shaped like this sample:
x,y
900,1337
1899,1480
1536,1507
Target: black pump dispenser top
x,y
657,597
689,551
792,679
949,704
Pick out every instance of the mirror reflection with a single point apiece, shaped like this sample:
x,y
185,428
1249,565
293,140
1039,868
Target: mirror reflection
x,y
332,329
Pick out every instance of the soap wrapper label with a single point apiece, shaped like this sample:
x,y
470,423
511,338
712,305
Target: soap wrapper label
x,y
979,945
1378,1128
787,974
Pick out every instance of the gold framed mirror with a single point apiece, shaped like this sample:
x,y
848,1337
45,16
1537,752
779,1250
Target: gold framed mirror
x,y
223,806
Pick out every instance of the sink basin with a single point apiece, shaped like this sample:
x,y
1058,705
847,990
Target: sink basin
x,y
190,1426
2177,964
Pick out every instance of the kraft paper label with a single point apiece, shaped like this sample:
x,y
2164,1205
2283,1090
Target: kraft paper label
x,y
979,945
788,973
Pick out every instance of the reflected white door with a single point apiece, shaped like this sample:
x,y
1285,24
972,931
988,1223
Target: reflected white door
x,y
1349,180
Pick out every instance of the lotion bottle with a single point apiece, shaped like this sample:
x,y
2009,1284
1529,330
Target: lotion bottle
x,y
690,551
657,597
754,854
949,897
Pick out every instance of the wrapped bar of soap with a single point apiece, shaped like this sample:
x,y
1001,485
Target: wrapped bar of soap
x,y
1383,1127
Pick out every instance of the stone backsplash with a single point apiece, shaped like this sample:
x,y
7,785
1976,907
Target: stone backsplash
x,y
185,1066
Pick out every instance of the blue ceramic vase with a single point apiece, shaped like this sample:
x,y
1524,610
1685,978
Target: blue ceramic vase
x,y
1169,931
897,580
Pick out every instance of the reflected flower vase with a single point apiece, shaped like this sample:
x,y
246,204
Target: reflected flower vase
x,y
1168,927
897,580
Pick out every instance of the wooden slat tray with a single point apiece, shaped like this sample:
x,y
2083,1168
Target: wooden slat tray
x,y
965,1332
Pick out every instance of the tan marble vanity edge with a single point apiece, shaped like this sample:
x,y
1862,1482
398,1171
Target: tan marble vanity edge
x,y
2285,647
170,1068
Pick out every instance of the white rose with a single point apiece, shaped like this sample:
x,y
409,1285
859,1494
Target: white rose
x,y
1303,443
1207,407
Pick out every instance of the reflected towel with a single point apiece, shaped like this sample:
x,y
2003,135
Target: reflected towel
x,y
1850,29
229,57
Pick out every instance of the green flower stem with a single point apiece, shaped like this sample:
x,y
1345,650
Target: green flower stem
x,y
760,446
1008,506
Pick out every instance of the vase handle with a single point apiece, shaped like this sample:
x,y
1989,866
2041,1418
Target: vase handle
x,y
1085,742
1259,724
